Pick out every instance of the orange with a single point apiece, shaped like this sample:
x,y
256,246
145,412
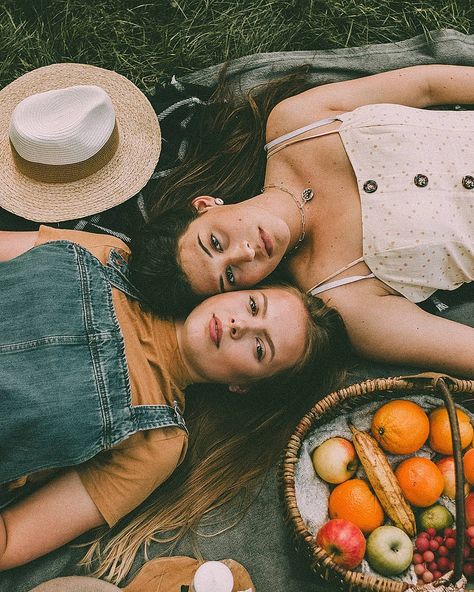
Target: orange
x,y
354,501
440,430
400,426
468,465
420,480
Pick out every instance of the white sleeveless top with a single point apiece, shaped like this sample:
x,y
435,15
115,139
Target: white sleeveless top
x,y
415,173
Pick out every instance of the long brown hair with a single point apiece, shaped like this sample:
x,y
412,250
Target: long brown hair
x,y
232,440
225,155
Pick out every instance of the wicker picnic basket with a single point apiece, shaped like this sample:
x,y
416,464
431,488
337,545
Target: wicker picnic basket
x,y
344,401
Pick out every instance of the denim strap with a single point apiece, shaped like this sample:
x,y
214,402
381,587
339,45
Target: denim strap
x,y
158,416
118,272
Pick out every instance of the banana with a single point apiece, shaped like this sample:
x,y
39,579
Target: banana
x,y
383,481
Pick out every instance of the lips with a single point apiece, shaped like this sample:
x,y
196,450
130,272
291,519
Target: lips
x,y
267,241
215,330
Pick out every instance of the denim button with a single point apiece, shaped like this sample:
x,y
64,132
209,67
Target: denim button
x,y
370,186
468,182
420,180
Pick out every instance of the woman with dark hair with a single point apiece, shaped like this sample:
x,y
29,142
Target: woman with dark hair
x,y
366,201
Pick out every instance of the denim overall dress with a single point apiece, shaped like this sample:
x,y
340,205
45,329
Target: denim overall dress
x,y
64,384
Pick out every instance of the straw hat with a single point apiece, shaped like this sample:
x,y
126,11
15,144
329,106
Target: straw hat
x,y
84,140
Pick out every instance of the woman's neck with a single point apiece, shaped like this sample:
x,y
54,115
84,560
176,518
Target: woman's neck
x,y
194,376
280,203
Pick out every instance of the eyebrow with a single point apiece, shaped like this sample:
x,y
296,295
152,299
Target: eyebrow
x,y
209,254
204,248
264,313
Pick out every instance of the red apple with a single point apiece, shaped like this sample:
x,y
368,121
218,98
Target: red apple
x,y
335,460
343,541
470,509
446,466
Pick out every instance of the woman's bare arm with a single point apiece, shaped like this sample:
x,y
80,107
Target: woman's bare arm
x,y
416,86
50,517
13,244
392,329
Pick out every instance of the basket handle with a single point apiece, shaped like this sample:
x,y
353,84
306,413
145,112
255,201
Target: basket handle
x,y
430,377
459,476
438,381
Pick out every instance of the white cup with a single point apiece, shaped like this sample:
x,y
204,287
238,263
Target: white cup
x,y
212,576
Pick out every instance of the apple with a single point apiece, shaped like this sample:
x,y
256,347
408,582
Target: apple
x,y
389,550
343,541
335,460
446,466
470,509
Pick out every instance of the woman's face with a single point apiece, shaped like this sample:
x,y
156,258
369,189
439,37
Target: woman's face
x,y
242,337
231,247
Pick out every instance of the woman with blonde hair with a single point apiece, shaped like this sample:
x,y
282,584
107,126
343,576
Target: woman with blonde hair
x,y
92,385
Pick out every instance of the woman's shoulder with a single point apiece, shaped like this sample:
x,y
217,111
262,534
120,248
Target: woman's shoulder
x,y
296,112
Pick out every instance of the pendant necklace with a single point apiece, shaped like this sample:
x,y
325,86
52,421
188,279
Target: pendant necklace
x,y
305,196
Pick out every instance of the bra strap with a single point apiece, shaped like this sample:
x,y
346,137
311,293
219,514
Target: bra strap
x,y
326,279
276,149
300,130
341,282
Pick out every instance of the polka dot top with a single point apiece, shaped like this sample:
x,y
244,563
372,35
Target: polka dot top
x,y
415,174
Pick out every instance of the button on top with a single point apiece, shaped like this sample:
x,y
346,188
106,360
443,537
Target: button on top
x,y
468,182
420,180
370,186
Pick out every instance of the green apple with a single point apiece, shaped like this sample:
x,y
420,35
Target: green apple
x,y
437,517
389,550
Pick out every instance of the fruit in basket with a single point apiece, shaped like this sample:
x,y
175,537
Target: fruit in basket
x,y
343,541
354,501
446,466
437,517
383,481
440,430
420,480
434,554
335,460
400,426
468,465
469,505
389,550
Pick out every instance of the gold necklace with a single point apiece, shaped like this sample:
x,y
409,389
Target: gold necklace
x,y
306,196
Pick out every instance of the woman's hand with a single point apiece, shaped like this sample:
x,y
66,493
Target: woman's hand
x,y
50,517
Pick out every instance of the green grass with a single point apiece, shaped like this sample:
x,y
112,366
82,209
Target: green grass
x,y
150,41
